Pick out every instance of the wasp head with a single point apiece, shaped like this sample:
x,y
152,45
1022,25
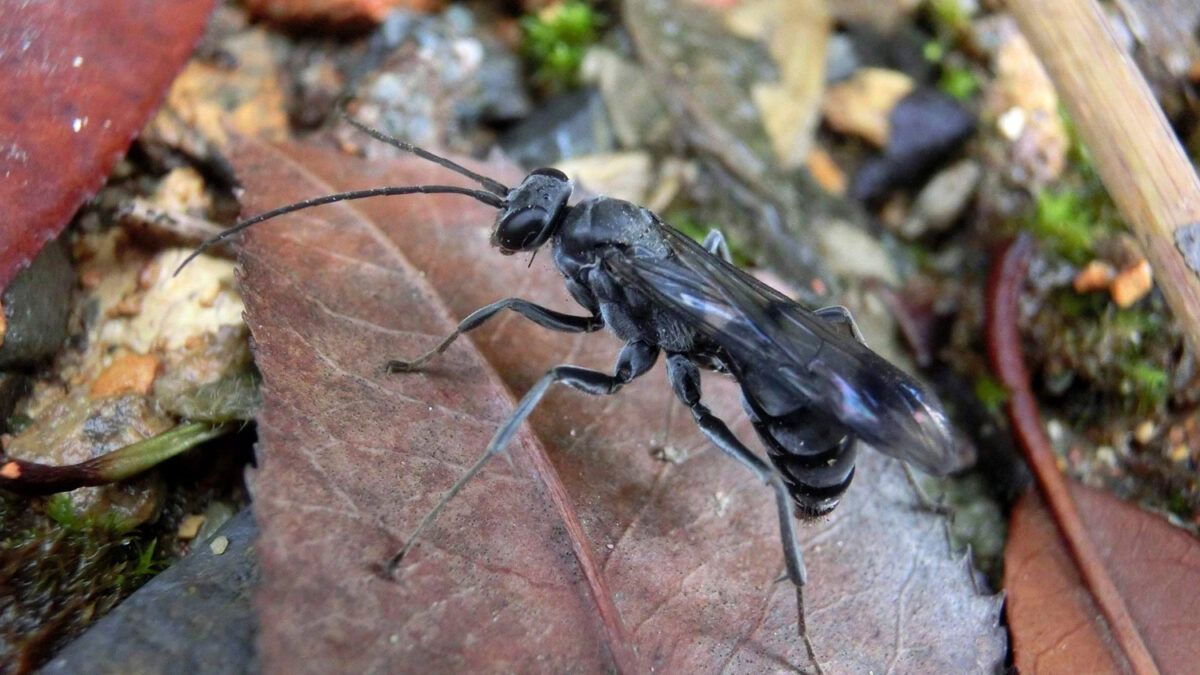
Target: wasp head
x,y
532,211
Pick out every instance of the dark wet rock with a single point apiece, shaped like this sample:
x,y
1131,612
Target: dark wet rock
x,y
35,309
569,125
927,126
502,96
12,387
195,617
902,48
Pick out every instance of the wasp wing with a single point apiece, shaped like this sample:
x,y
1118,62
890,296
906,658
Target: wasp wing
x,y
786,358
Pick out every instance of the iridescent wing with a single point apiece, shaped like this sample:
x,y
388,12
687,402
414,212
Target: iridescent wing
x,y
785,357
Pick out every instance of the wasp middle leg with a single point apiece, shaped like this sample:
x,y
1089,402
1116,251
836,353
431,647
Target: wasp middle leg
x,y
634,360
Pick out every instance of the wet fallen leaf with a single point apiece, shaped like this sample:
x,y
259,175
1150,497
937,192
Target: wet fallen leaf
x,y
585,553
1056,625
70,103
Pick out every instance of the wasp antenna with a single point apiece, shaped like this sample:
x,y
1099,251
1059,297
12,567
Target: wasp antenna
x,y
485,197
493,186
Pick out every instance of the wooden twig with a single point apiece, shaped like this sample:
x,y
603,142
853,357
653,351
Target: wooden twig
x,y
1135,152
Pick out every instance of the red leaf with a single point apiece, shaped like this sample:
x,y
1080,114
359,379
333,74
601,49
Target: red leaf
x,y
78,79
354,12
1055,623
685,555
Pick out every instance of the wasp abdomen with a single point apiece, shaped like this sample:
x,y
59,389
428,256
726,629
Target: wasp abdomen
x,y
816,460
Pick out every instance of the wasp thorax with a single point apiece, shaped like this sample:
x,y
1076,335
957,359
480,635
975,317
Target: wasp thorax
x,y
532,211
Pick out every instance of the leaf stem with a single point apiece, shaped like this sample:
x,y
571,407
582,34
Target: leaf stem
x,y
40,479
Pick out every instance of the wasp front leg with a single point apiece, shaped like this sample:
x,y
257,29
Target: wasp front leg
x,y
542,316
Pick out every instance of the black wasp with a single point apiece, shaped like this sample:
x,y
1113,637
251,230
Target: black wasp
x,y
810,385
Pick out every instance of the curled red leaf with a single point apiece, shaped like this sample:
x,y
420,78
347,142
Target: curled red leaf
x,y
1004,351
77,82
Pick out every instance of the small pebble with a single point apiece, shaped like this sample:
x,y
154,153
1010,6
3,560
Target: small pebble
x,y
1012,123
130,373
11,471
1144,432
1097,276
1132,284
218,545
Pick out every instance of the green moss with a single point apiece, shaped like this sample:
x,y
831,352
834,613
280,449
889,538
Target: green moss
x,y
1077,212
1135,323
1149,381
1179,505
1064,221
142,568
959,82
1121,355
556,39
991,393
1075,305
61,510
686,223
949,15
1077,152
60,578
933,51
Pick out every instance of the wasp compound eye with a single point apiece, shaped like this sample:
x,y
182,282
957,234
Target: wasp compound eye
x,y
532,211
552,172
522,230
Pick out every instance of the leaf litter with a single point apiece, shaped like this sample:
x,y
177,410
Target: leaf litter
x,y
583,552
1055,621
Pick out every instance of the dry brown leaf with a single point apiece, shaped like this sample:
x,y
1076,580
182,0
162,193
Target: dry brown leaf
x,y
1056,625
684,555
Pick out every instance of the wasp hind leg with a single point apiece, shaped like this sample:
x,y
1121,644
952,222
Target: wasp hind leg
x,y
925,502
685,381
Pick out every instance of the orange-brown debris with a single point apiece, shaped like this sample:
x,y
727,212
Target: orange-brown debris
x,y
133,373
